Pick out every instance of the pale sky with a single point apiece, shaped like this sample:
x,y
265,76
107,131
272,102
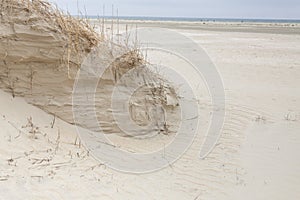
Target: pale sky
x,y
258,9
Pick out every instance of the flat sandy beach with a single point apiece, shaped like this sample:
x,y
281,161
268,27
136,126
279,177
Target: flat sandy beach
x,y
256,157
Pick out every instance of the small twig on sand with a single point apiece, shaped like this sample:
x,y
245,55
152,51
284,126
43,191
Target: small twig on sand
x,y
75,143
53,122
57,141
93,167
4,178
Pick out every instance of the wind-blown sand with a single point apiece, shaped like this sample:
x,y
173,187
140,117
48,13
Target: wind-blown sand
x,y
256,156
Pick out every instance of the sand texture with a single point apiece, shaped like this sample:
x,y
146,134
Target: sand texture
x,y
42,156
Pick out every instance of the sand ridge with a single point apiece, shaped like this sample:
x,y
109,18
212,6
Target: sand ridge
x,y
256,157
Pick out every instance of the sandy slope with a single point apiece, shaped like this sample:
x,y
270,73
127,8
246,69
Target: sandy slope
x,y
256,157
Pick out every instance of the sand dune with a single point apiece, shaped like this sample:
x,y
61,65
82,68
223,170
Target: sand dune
x,y
42,53
42,156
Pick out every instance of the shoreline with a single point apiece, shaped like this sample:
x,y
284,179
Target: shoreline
x,y
247,27
195,19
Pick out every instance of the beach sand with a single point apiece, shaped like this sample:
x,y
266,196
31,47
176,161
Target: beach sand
x,y
257,156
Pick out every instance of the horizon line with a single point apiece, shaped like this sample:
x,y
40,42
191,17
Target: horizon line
x,y
191,18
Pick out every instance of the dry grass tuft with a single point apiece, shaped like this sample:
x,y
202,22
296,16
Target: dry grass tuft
x,y
78,34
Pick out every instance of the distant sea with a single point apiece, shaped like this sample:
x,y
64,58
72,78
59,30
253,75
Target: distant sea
x,y
185,19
